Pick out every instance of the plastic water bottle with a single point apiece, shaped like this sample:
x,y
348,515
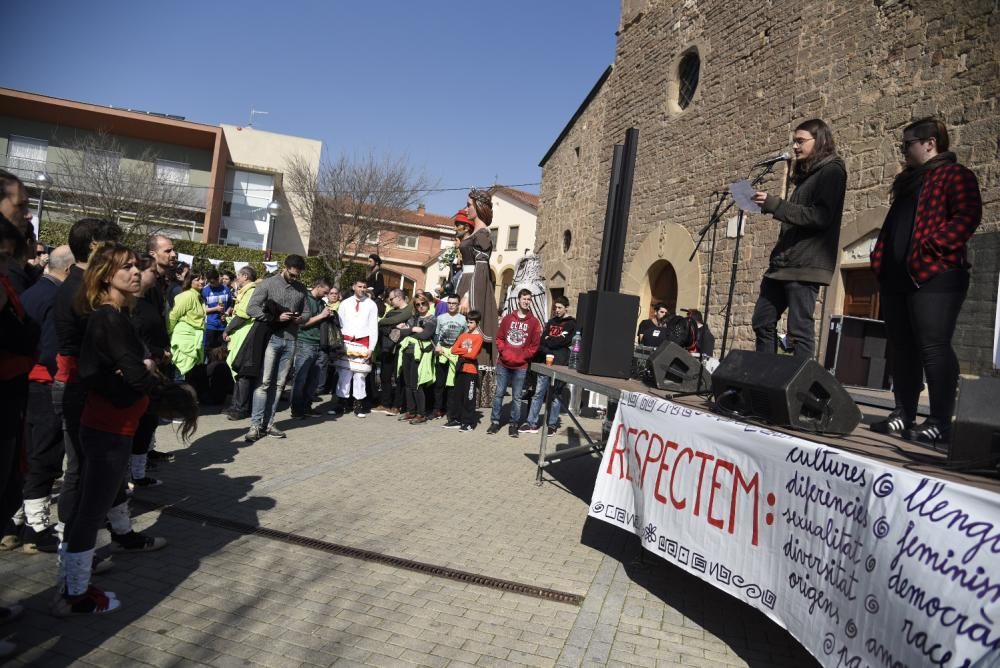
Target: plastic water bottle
x,y
574,350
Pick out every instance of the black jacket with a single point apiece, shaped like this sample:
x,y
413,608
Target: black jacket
x,y
388,323
39,301
111,358
809,240
557,336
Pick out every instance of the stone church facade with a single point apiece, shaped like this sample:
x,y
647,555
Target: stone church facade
x,y
866,68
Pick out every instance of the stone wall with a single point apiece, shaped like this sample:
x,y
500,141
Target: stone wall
x,y
867,68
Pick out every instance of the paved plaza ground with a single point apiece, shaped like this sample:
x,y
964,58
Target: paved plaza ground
x,y
223,594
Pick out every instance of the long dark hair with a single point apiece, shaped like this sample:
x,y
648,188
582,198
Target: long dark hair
x,y
823,148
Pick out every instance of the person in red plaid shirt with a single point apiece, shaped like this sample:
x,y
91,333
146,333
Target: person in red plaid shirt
x,y
923,273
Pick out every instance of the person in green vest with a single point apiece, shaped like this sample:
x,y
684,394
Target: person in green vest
x,y
416,360
186,324
235,334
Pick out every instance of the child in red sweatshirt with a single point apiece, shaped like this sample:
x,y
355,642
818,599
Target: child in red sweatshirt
x,y
467,347
517,341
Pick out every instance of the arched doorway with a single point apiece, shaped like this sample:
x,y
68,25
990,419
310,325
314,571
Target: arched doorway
x,y
662,286
506,280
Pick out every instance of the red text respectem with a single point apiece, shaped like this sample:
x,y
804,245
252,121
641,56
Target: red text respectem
x,y
688,479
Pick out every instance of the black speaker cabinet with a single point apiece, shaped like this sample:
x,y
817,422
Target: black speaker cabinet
x,y
975,436
785,391
608,321
671,367
855,352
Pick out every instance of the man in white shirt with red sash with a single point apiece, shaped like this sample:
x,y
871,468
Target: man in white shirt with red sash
x,y
359,326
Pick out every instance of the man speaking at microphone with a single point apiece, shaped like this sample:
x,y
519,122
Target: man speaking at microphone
x,y
806,253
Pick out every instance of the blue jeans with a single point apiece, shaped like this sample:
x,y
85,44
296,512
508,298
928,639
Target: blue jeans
x,y
306,376
541,389
278,358
514,378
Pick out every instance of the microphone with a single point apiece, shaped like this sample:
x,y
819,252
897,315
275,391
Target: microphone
x,y
767,162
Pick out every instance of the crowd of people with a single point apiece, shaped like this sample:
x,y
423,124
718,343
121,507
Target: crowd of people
x,y
101,343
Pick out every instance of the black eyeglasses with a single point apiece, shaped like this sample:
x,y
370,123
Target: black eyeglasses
x,y
904,146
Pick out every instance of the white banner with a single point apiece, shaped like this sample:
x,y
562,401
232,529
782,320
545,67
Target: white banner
x,y
214,263
271,266
184,257
239,265
864,564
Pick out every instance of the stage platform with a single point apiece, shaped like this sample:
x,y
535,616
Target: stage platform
x,y
889,450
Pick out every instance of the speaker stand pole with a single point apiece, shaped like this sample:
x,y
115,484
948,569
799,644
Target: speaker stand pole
x,y
736,262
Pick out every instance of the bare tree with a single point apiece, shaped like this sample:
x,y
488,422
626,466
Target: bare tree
x,y
97,177
349,202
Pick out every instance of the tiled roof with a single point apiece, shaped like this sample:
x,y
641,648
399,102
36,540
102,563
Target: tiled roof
x,y
528,199
413,217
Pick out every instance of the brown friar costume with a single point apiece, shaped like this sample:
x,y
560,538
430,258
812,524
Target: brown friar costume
x,y
477,283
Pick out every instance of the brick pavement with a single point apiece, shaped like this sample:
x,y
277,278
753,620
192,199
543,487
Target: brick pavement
x,y
467,501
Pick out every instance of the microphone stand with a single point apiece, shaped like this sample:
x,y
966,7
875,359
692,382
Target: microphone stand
x,y
736,260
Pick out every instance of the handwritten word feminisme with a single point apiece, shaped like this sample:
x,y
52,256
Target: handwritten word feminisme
x,y
630,461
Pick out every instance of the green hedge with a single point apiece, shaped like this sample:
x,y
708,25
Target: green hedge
x,y
54,234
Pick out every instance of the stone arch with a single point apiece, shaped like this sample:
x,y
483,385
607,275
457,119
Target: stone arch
x,y
665,243
506,279
662,279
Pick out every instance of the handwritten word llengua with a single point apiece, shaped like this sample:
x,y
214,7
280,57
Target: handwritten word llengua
x,y
803,487
826,461
984,533
629,461
912,546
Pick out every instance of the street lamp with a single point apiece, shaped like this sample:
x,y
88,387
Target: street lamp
x,y
43,181
273,210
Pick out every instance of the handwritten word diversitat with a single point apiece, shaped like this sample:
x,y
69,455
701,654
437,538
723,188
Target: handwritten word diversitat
x,y
830,570
825,461
677,469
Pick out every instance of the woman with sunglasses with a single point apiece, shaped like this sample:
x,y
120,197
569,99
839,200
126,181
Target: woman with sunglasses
x,y
921,262
416,359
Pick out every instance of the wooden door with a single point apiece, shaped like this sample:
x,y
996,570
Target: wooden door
x,y
861,298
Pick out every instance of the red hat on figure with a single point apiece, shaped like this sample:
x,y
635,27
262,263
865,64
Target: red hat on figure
x,y
461,218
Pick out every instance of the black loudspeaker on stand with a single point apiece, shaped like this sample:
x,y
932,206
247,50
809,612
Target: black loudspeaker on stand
x,y
608,320
671,367
975,436
784,391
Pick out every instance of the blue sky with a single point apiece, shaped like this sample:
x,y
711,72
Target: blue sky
x,y
471,91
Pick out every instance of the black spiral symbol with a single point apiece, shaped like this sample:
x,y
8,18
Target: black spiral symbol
x,y
871,604
870,563
881,527
829,643
851,629
598,507
883,485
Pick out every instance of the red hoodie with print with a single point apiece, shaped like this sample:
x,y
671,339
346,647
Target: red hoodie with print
x,y
518,339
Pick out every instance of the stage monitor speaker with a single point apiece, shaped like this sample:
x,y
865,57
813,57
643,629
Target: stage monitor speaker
x,y
608,321
975,436
784,391
671,367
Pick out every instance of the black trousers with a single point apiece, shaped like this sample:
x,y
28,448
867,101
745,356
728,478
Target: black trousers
x,y
144,433
12,412
242,395
45,443
67,400
415,400
465,397
441,390
387,377
213,339
102,473
799,299
919,326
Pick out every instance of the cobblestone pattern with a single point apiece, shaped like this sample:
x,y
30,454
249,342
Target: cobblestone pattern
x,y
214,597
